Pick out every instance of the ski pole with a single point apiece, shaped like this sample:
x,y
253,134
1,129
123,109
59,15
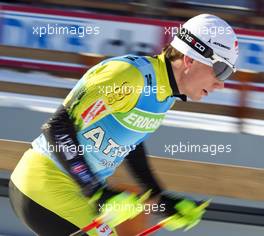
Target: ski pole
x,y
160,225
154,228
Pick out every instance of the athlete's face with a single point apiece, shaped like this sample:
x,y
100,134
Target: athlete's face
x,y
198,79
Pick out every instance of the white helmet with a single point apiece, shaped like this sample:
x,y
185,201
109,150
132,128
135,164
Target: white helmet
x,y
213,32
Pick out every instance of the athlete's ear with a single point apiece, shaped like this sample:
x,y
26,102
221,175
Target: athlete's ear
x,y
187,61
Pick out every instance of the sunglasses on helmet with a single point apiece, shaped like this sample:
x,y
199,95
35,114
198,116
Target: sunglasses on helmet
x,y
223,69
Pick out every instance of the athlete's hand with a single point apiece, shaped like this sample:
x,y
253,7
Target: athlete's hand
x,y
120,206
182,212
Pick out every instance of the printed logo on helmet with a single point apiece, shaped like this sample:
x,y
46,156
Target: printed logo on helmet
x,y
221,45
185,36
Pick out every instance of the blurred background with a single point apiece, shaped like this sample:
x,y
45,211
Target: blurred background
x,y
47,45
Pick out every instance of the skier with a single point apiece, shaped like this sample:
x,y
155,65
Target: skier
x,y
60,184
